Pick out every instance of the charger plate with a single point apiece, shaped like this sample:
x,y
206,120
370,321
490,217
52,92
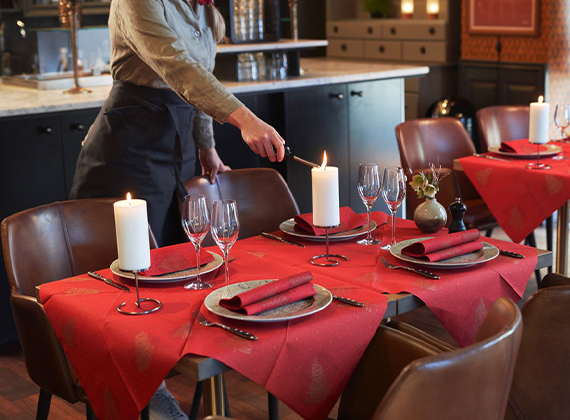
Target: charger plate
x,y
551,150
288,226
301,308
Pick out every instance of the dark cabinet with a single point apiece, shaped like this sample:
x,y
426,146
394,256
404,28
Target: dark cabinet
x,y
488,84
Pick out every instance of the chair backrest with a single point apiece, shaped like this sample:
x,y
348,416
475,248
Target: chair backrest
x,y
502,123
541,380
468,383
263,198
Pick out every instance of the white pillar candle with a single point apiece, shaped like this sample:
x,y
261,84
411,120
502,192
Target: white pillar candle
x,y
131,225
326,209
539,122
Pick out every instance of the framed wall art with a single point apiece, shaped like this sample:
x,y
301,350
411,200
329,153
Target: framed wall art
x,y
503,17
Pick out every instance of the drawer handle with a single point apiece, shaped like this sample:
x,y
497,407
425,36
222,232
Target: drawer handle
x,y
356,93
343,47
423,50
78,127
335,29
381,49
432,30
370,30
339,96
393,31
46,130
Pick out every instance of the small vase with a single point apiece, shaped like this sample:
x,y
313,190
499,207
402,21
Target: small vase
x,y
430,216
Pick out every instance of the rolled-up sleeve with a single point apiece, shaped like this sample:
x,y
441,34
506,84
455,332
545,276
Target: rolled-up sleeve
x,y
146,31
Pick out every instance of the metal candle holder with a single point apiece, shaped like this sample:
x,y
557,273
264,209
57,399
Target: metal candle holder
x,y
69,13
537,164
140,310
330,262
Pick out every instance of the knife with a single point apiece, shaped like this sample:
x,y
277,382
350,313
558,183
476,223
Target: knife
x,y
348,301
490,157
511,254
278,238
108,281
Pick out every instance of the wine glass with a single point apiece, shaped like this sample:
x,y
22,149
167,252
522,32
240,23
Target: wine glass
x,y
196,223
393,192
225,228
562,121
368,188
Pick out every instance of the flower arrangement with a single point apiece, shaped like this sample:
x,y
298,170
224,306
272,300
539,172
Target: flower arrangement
x,y
427,185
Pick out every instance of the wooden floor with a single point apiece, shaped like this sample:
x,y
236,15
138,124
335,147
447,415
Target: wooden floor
x,y
18,395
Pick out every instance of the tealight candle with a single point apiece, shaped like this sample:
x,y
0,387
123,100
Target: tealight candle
x,y
539,122
131,226
326,208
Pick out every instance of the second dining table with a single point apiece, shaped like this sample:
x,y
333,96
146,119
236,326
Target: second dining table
x,y
304,361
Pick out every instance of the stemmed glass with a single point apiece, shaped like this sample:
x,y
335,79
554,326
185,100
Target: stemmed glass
x,y
368,188
225,228
562,121
196,223
393,192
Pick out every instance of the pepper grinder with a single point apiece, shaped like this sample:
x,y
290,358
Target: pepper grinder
x,y
457,210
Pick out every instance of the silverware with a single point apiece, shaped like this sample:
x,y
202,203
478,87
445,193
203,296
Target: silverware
x,y
490,157
207,323
278,238
108,281
348,301
413,270
511,254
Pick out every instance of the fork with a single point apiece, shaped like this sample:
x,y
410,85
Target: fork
x,y
207,323
388,264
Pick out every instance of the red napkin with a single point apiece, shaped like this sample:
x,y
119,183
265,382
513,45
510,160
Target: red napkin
x,y
349,220
521,146
272,295
174,258
446,246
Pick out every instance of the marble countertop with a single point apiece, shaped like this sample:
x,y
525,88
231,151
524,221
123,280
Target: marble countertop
x,y
16,101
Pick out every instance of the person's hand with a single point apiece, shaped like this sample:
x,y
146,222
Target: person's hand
x,y
211,163
258,135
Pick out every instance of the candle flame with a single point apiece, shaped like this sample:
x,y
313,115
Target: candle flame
x,y
540,99
324,165
129,198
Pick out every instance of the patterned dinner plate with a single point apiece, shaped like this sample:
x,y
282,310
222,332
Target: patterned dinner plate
x,y
304,307
551,150
288,226
172,277
483,255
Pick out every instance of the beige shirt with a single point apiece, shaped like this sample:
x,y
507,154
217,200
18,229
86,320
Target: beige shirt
x,y
169,44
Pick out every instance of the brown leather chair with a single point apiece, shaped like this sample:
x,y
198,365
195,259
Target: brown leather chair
x,y
502,123
263,198
431,140
542,379
45,244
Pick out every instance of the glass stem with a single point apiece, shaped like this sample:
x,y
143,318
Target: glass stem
x,y
197,247
369,235
561,143
227,266
393,241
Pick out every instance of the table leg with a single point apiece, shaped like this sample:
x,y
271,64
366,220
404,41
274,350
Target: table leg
x,y
213,394
562,240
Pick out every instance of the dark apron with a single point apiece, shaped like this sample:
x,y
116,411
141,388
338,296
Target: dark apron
x,y
141,142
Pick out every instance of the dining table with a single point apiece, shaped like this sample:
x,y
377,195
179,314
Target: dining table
x,y
305,357
520,198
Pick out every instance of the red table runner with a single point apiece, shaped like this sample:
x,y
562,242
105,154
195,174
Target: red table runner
x,y
304,362
520,198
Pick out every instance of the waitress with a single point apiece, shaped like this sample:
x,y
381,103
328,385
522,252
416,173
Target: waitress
x,y
160,110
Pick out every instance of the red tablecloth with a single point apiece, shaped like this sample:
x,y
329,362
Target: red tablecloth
x,y
305,362
520,198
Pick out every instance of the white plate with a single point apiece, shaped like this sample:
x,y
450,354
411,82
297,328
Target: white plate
x,y
486,254
551,150
168,278
293,310
288,226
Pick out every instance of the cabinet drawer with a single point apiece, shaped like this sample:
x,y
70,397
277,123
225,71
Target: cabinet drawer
x,y
345,48
423,51
354,29
383,50
425,30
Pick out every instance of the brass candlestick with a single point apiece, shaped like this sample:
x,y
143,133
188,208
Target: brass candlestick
x,y
70,17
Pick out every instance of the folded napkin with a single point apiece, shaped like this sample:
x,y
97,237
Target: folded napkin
x,y
521,146
349,220
174,258
447,246
272,295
